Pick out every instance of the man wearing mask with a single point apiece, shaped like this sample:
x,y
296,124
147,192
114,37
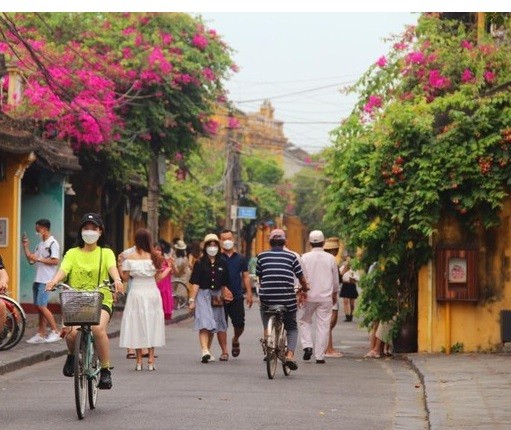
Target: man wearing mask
x,y
46,258
239,282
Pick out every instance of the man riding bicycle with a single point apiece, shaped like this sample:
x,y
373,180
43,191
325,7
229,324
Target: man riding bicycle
x,y
276,270
86,266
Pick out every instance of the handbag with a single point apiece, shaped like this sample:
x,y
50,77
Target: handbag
x,y
217,301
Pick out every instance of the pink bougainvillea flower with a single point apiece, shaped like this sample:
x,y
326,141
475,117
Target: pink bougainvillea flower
x,y
467,76
416,57
233,123
436,80
127,53
208,74
211,127
178,156
200,41
400,46
373,102
4,47
382,61
127,31
166,38
489,76
465,44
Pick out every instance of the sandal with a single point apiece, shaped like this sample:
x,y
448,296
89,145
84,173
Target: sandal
x,y
224,357
131,355
235,349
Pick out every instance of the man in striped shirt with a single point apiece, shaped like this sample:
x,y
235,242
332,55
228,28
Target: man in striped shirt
x,y
276,270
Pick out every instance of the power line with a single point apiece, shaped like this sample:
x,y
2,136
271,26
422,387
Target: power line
x,y
310,90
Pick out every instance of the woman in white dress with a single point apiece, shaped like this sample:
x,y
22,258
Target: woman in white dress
x,y
143,322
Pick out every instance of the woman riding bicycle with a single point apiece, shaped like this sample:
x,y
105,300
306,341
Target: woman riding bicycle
x,y
86,266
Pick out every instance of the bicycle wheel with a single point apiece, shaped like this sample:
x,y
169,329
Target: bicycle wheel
x,y
180,293
271,350
93,378
80,377
14,327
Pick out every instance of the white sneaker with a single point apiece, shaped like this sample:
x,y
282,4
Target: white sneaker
x,y
37,338
53,337
212,358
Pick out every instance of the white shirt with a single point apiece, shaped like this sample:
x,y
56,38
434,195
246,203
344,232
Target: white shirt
x,y
46,249
322,274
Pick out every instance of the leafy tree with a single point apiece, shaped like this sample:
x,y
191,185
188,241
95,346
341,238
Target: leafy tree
x,y
431,135
146,81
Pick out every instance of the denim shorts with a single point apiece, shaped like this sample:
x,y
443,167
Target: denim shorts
x,y
40,296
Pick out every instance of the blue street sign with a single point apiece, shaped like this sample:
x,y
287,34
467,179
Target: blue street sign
x,y
247,212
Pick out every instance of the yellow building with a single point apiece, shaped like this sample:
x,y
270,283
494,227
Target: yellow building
x,y
465,287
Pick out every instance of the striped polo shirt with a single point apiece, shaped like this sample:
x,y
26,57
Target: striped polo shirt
x,y
276,270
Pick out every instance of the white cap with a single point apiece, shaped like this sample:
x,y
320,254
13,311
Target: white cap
x,y
316,236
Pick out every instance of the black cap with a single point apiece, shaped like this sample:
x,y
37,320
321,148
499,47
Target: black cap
x,y
93,218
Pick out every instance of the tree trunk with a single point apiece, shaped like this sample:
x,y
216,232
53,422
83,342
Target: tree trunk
x,y
153,196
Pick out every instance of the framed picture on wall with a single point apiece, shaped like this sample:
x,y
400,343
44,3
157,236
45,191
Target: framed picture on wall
x,y
457,270
4,228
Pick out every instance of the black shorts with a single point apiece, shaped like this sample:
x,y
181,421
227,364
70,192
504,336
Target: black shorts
x,y
236,311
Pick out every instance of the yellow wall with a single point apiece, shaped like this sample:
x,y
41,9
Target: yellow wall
x,y
475,325
10,191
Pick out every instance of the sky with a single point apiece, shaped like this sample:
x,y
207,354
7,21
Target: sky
x,y
301,61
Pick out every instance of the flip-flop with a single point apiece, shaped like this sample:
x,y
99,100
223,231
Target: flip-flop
x,y
235,349
224,357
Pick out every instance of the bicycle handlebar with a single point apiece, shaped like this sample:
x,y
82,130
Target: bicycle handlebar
x,y
106,285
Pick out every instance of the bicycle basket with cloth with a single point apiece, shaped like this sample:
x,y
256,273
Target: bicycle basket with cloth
x,y
81,307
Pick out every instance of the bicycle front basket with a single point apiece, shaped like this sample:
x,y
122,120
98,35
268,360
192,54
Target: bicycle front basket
x,y
81,307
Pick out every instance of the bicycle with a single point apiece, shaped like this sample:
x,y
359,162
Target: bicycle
x,y
15,323
180,293
275,341
83,308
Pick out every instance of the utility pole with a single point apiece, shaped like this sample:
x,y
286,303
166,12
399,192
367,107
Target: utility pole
x,y
229,180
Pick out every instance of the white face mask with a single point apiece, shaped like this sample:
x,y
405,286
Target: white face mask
x,y
228,245
90,236
212,250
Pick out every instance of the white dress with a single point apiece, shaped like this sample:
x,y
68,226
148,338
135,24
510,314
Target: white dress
x,y
143,322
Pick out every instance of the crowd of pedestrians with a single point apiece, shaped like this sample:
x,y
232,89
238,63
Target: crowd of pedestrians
x,y
220,287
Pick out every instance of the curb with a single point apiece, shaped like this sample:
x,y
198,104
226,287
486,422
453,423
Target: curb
x,y
46,355
421,377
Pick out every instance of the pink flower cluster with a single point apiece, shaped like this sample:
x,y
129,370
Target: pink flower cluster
x,y
416,57
233,123
465,44
382,62
208,74
436,80
211,127
489,76
467,76
373,102
200,41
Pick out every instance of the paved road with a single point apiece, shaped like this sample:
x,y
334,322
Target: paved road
x,y
349,393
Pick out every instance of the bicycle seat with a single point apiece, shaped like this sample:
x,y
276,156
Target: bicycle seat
x,y
276,308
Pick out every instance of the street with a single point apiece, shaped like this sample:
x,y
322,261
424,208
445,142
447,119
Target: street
x,y
349,392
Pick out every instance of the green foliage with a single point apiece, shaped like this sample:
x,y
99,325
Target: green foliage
x,y
430,135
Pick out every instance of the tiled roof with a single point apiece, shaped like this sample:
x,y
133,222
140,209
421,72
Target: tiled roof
x,y
16,138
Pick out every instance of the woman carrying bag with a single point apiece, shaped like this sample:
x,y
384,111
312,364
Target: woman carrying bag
x,y
209,291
